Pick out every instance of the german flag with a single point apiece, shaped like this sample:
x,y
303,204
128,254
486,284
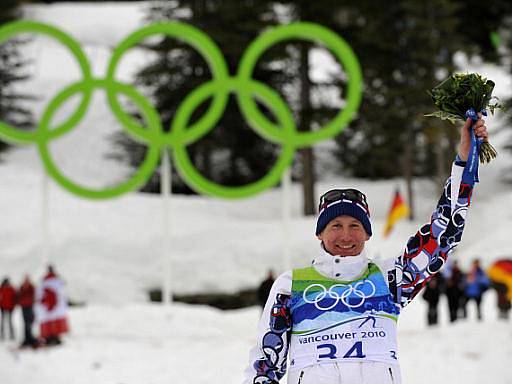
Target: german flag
x,y
399,209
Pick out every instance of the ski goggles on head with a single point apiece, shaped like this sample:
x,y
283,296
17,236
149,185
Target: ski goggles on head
x,y
335,195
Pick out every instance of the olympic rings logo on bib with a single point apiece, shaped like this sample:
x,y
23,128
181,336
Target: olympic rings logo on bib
x,y
358,292
181,132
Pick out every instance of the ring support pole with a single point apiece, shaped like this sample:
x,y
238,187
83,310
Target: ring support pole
x,y
286,187
45,217
167,229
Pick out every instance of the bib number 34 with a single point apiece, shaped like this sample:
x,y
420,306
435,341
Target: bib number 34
x,y
329,351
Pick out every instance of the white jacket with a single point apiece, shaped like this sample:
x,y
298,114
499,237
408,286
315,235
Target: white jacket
x,y
426,252
356,372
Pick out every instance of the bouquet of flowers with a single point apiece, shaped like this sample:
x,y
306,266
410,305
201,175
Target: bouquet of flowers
x,y
463,95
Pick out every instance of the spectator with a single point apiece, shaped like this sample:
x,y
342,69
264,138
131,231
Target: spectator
x,y
52,308
7,304
454,290
477,283
503,301
264,288
26,297
431,295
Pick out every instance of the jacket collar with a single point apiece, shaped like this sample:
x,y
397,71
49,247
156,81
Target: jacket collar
x,y
345,268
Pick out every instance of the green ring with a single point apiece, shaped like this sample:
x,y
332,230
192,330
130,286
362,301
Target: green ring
x,y
138,178
198,40
202,185
180,135
9,30
317,34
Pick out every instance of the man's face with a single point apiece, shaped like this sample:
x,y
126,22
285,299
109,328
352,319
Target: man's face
x,y
344,236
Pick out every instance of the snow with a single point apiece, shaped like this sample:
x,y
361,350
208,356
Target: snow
x,y
109,252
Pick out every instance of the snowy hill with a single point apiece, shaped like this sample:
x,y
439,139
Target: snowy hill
x,y
109,252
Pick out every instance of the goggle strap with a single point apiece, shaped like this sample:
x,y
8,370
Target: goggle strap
x,y
346,201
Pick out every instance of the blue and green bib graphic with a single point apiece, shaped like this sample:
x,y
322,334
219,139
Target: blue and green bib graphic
x,y
319,302
342,320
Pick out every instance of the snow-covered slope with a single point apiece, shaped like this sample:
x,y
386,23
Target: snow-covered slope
x,y
109,252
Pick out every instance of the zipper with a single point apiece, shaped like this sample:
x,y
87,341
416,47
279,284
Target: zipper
x,y
391,374
300,377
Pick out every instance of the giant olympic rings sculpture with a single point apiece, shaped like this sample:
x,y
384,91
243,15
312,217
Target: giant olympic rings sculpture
x,y
350,291
181,133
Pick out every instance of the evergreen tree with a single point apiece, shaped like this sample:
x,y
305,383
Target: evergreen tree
x,y
479,20
482,20
231,154
314,103
13,108
401,47
493,19
405,48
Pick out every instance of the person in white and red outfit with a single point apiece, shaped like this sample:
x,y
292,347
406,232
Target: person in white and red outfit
x,y
52,308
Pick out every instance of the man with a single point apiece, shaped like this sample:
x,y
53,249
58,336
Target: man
x,y
26,298
336,320
7,304
502,300
454,290
431,294
477,283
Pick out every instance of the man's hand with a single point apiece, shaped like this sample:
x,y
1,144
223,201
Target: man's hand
x,y
465,138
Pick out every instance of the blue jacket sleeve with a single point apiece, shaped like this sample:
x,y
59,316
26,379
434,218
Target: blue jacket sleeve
x,y
275,342
427,251
268,358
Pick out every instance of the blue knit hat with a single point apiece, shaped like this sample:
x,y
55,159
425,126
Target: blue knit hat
x,y
344,206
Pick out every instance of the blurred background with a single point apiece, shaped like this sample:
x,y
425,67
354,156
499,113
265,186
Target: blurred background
x,y
111,254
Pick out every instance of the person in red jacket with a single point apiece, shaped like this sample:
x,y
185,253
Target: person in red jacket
x,y
7,304
26,298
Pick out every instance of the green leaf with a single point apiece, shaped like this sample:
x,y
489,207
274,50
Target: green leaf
x,y
444,116
460,92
